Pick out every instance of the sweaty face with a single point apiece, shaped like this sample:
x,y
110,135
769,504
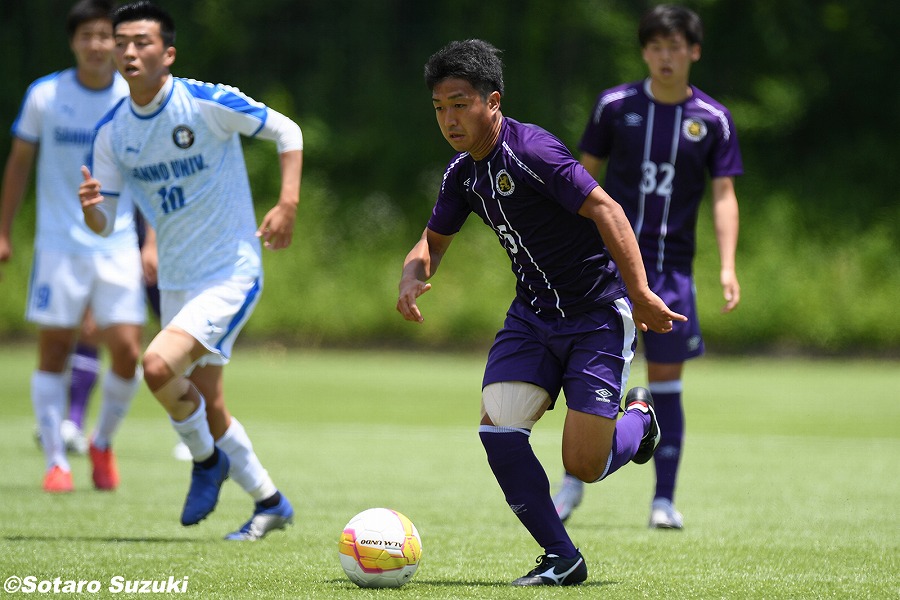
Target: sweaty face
x,y
669,58
93,45
468,121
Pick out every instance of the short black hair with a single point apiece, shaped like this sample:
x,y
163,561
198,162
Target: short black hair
x,y
667,19
475,61
87,10
143,10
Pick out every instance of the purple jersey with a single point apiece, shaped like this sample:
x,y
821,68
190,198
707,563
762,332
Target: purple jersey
x,y
659,155
529,190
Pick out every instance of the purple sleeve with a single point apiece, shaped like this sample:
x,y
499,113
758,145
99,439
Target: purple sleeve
x,y
597,137
562,177
451,209
725,159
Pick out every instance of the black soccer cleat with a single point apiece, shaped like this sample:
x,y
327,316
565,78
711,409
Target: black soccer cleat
x,y
555,570
640,399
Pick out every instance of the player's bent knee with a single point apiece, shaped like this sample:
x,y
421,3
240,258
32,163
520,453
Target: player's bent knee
x,y
168,355
513,404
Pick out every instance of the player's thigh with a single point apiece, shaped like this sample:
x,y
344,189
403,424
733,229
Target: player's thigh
x,y
213,314
59,289
599,360
520,352
685,341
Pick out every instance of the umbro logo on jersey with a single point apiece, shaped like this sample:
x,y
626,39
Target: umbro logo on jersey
x,y
603,395
132,149
212,329
633,120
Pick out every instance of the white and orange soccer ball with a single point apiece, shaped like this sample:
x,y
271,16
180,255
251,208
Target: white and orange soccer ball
x,y
379,548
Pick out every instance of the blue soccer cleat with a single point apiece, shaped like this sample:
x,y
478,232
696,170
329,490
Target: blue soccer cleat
x,y
203,495
263,521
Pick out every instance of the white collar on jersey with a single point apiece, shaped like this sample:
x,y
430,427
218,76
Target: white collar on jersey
x,y
157,101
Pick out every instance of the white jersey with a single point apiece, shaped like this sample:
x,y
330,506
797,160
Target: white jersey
x,y
183,161
59,114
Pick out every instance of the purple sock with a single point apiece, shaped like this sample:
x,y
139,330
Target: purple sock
x,y
670,417
630,429
526,487
85,368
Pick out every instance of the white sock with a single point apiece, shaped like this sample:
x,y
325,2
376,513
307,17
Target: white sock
x,y
117,396
246,469
49,396
194,432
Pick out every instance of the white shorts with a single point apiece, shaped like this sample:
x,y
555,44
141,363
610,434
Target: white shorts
x,y
64,285
213,314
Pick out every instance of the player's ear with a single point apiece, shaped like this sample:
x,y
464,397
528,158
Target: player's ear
x,y
169,56
493,100
695,52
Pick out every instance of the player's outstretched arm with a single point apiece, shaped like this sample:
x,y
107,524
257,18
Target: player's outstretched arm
x,y
648,310
420,265
277,227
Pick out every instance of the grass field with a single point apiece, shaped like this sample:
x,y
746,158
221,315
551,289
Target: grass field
x,y
789,486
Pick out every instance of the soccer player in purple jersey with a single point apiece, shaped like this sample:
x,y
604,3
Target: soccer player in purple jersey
x,y
658,138
581,293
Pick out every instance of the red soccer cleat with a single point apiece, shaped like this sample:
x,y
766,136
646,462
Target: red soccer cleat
x,y
105,473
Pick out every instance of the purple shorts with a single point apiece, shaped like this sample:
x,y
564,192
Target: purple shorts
x,y
588,356
676,288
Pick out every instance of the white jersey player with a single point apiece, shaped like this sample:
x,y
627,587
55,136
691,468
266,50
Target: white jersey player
x,y
175,145
74,270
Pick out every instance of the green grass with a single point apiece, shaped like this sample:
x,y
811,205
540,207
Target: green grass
x,y
789,486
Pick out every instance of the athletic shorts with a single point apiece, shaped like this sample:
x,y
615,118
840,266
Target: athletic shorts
x,y
588,356
676,288
212,314
64,285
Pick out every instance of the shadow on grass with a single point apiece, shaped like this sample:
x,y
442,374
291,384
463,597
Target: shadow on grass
x,y
484,584
110,539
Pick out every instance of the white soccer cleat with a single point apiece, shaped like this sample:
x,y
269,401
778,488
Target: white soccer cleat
x,y
664,516
568,497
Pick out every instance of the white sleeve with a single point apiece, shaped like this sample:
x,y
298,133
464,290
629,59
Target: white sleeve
x,y
27,125
227,110
283,131
105,170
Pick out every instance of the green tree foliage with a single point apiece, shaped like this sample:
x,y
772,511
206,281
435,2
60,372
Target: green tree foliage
x,y
810,84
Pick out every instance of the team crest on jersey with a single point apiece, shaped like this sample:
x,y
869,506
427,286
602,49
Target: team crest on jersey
x,y
504,183
694,129
183,137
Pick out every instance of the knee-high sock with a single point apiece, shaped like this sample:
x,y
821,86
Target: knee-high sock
x,y
526,487
670,415
194,432
48,397
85,368
117,396
629,432
246,469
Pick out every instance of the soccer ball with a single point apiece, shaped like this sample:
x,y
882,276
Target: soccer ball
x,y
379,548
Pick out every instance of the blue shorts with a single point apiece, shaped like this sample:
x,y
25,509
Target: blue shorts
x,y
676,288
588,356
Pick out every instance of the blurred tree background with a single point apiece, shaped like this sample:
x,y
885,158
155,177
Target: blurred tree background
x,y
811,86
